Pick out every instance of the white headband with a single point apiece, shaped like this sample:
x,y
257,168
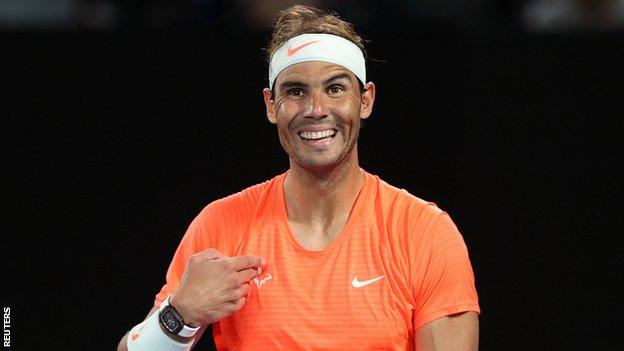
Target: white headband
x,y
318,47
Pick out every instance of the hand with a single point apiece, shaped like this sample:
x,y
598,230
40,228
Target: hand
x,y
214,286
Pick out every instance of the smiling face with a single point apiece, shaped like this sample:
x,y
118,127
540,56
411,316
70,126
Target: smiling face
x,y
318,107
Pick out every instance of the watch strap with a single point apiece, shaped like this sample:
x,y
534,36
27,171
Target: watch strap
x,y
186,331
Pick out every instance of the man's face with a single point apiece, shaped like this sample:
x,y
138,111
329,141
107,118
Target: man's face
x,y
317,108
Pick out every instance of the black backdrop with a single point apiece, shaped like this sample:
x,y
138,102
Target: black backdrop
x,y
115,141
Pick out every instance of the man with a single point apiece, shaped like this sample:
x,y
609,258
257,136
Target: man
x,y
326,255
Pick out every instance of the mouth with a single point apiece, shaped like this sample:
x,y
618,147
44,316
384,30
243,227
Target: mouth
x,y
323,135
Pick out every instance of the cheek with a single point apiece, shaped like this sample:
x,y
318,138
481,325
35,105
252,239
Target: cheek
x,y
287,106
349,112
286,113
283,128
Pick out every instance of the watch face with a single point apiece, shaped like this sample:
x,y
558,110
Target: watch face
x,y
170,320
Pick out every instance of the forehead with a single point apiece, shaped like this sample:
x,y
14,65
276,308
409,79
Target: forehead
x,y
312,71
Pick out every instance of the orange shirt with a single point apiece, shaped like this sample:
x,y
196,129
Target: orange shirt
x,y
398,264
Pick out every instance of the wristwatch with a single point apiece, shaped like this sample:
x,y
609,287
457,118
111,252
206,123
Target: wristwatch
x,y
173,322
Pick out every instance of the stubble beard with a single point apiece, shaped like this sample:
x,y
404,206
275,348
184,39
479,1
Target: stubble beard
x,y
318,166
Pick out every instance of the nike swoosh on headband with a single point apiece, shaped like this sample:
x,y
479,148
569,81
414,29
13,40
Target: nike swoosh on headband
x,y
292,51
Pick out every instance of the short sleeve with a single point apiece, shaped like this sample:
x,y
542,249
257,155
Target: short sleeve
x,y
220,225
442,276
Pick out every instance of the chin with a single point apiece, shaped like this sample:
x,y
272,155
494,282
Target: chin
x,y
316,166
320,164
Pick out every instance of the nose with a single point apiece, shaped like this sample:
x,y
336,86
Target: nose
x,y
315,105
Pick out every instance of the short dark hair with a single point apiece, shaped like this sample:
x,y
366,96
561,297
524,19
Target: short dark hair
x,y
300,19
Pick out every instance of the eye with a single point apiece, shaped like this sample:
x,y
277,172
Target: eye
x,y
295,92
335,89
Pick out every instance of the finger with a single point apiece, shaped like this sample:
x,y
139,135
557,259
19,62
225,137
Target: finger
x,y
244,289
245,262
246,275
210,254
239,292
237,305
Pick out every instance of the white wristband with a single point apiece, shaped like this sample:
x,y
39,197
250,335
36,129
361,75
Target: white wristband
x,y
149,336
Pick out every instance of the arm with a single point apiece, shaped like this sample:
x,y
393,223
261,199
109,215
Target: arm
x,y
445,317
123,344
212,287
457,332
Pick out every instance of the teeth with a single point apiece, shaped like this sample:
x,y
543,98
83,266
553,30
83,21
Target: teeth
x,y
316,135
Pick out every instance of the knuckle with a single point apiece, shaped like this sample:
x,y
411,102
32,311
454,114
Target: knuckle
x,y
238,304
212,253
193,258
240,292
232,280
234,295
245,276
249,275
240,276
229,265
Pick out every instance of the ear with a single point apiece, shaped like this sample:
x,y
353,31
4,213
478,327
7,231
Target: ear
x,y
270,105
368,100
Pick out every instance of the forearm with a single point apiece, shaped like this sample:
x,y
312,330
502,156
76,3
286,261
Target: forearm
x,y
194,305
123,344
459,332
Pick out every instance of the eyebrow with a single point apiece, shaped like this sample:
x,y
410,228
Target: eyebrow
x,y
290,84
338,77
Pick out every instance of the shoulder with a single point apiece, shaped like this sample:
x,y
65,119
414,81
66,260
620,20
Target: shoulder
x,y
398,204
222,223
407,222
239,205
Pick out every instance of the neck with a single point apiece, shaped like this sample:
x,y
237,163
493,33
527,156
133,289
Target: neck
x,y
322,198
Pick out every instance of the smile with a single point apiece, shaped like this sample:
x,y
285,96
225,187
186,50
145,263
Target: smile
x,y
320,135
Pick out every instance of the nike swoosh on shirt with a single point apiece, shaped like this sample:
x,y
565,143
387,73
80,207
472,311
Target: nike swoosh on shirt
x,y
293,50
358,284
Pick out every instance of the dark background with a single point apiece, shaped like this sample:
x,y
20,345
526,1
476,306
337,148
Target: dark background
x,y
116,139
